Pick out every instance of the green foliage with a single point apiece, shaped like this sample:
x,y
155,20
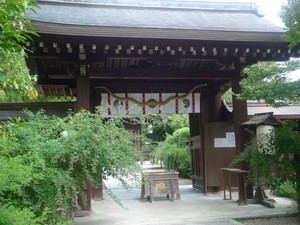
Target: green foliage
x,y
13,174
177,121
175,153
13,27
290,14
41,98
45,162
14,216
278,162
268,81
286,189
162,126
227,96
258,163
287,154
16,84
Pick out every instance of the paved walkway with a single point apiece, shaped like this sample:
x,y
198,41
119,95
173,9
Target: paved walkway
x,y
193,208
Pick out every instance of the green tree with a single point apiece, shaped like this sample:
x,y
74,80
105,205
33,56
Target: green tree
x,y
290,14
16,84
268,81
276,160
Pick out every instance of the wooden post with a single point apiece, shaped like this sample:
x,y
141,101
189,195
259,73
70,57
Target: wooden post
x,y
83,93
211,105
240,115
83,102
97,193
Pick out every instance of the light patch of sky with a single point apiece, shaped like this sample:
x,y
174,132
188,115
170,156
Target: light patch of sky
x,y
270,9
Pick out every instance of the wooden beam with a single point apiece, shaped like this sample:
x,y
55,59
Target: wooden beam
x,y
151,86
141,46
159,73
60,76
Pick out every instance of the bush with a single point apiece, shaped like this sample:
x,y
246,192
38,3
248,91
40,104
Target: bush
x,y
175,153
15,216
45,162
286,190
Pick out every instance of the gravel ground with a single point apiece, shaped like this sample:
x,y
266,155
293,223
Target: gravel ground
x,y
272,221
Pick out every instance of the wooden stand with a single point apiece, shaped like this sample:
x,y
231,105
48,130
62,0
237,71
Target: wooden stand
x,y
160,183
241,179
260,197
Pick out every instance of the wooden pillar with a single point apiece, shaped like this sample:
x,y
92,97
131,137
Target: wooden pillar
x,y
211,105
97,193
196,152
83,93
240,115
83,102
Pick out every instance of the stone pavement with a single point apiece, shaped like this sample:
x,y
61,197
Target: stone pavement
x,y
193,208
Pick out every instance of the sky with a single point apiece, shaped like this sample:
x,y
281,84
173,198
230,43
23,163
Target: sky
x,y
270,8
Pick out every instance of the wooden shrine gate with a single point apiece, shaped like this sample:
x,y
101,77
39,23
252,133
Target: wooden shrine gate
x,y
133,46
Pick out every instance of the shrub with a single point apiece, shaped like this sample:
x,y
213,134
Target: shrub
x,y
45,162
175,153
286,190
15,216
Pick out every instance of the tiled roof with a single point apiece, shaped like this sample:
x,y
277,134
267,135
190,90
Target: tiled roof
x,y
255,107
263,118
171,19
156,18
192,4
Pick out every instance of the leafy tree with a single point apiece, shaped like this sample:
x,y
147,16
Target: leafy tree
x,y
15,82
268,81
290,14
